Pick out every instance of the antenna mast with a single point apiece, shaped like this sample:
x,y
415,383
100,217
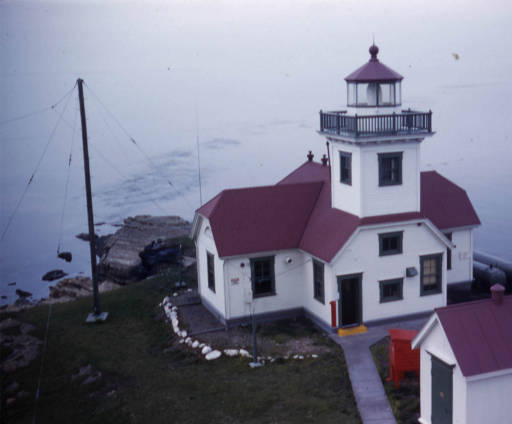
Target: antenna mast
x,y
96,314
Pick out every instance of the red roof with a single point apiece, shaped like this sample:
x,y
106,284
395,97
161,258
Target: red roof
x,y
260,219
297,213
373,70
480,334
445,203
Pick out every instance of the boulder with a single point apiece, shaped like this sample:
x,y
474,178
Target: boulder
x,y
54,275
121,262
67,256
23,293
72,288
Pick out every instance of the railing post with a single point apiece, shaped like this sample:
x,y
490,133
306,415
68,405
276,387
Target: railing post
x,y
321,122
338,124
429,121
394,122
357,126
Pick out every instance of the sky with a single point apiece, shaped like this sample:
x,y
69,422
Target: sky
x,y
244,81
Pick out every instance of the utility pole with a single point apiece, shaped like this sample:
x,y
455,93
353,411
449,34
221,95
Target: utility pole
x,y
96,315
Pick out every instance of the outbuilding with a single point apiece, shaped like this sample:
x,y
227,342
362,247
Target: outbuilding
x,y
466,362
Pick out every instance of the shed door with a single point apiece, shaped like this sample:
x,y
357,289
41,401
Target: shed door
x,y
442,398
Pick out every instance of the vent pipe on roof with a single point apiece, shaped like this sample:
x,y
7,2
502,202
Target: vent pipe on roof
x,y
324,160
310,156
497,293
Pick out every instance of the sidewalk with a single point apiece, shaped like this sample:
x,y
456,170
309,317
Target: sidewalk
x,y
371,399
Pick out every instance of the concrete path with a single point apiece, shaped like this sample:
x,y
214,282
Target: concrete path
x,y
371,399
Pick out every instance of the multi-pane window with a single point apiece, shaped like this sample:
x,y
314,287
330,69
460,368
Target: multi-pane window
x,y
390,243
448,252
346,168
263,279
390,168
431,274
391,290
318,281
211,271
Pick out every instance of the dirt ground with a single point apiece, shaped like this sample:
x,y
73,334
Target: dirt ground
x,y
280,338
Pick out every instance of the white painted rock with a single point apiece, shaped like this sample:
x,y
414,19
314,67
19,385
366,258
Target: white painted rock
x,y
195,344
314,355
244,353
206,349
183,333
175,294
231,352
202,345
301,357
188,339
212,355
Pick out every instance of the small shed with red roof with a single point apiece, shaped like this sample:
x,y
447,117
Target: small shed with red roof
x,y
466,362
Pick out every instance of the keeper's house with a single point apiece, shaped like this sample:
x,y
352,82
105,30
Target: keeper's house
x,y
466,362
361,237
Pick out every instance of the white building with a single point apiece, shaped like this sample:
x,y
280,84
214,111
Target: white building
x,y
363,236
466,362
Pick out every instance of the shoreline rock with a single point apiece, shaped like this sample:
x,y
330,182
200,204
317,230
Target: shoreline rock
x,y
121,262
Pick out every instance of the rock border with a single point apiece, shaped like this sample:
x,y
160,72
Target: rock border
x,y
209,353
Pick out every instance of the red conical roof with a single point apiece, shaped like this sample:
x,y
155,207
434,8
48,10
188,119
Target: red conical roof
x,y
374,70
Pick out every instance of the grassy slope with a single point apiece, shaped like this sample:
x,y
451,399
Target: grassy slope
x,y
152,385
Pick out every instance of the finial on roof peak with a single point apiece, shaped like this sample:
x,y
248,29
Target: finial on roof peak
x,y
374,51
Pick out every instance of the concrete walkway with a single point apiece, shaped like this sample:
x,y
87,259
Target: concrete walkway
x,y
371,399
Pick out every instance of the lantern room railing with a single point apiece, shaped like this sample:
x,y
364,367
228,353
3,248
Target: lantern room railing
x,y
408,122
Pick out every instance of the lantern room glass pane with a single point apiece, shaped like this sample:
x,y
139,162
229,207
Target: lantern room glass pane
x,y
387,94
362,97
352,94
398,93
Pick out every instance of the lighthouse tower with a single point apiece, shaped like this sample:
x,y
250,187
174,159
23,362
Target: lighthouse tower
x,y
374,144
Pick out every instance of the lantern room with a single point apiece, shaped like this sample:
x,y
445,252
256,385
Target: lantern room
x,y
374,85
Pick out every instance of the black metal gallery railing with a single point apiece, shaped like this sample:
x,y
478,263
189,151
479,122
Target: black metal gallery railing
x,y
407,122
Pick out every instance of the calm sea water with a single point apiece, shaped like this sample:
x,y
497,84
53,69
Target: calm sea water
x,y
245,78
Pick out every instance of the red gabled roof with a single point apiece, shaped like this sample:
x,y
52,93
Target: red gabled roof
x,y
261,219
445,203
480,334
297,213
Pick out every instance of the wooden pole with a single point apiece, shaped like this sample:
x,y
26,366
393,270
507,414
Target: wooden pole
x,y
90,217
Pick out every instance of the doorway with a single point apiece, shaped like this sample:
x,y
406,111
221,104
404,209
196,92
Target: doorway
x,y
441,392
350,303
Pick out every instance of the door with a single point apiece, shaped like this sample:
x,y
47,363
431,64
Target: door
x,y
349,306
441,392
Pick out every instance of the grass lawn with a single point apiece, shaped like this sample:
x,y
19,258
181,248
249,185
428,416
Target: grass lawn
x,y
149,378
405,401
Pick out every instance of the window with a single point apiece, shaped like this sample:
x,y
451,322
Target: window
x,y
448,252
263,280
391,290
390,243
318,281
346,168
390,169
211,271
430,274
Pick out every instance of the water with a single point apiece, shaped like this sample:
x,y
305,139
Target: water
x,y
248,79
